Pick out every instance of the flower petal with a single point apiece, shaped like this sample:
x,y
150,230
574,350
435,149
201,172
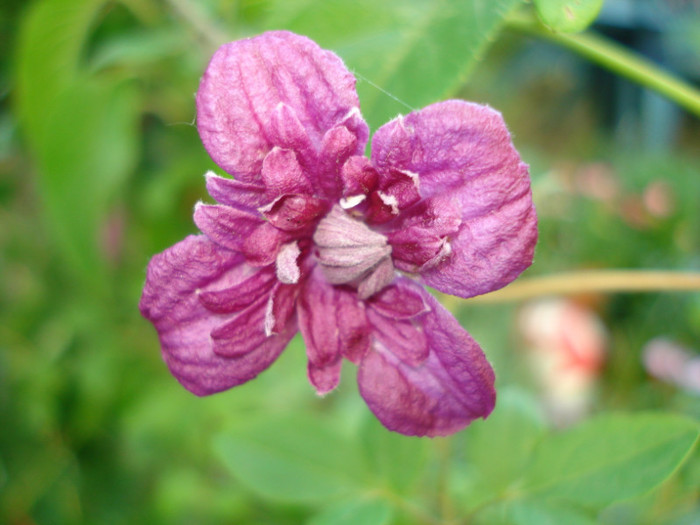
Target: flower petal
x,y
235,193
282,174
463,151
228,227
333,325
453,386
255,91
170,301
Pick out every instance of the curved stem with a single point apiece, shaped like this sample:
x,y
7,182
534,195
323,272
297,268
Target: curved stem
x,y
601,281
616,58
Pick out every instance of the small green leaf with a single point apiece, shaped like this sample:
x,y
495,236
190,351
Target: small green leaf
x,y
397,459
610,457
500,446
362,512
292,458
568,16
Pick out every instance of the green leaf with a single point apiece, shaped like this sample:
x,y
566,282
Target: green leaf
x,y
609,458
406,54
362,512
91,152
399,460
568,16
500,446
49,47
292,458
82,131
532,513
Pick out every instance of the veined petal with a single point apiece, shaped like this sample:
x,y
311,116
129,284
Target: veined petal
x,y
453,386
255,90
171,302
282,174
333,325
462,151
229,227
262,245
235,193
241,294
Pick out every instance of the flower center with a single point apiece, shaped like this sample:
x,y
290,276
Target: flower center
x,y
349,252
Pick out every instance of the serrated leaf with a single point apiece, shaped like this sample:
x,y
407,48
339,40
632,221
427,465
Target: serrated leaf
x,y
609,458
362,512
292,458
568,16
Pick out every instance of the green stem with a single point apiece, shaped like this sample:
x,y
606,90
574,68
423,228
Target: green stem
x,y
616,58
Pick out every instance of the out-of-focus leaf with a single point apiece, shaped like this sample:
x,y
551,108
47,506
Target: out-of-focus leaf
x,y
397,459
364,512
82,131
48,55
406,54
532,513
568,16
292,458
137,49
610,458
500,446
91,152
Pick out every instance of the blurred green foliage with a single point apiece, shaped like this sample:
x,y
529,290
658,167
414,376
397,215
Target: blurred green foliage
x,y
100,166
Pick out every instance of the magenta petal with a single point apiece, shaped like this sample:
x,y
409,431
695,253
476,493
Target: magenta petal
x,y
235,193
263,244
229,227
333,325
252,88
404,339
295,212
462,151
452,387
282,174
399,301
280,308
184,324
241,295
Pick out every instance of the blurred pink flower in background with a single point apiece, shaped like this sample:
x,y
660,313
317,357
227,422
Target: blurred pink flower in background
x,y
567,345
672,363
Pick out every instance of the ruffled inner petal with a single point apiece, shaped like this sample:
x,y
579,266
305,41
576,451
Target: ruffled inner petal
x,y
282,174
239,296
226,226
235,193
333,325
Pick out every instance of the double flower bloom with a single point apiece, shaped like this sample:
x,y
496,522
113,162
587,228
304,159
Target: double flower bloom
x,y
310,235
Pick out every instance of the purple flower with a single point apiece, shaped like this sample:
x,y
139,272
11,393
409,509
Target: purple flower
x,y
311,235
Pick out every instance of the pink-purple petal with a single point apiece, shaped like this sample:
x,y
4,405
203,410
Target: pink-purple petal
x,y
399,301
281,174
252,87
451,388
240,295
229,227
462,151
184,324
235,193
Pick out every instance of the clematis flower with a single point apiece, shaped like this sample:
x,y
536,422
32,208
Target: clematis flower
x,y
310,235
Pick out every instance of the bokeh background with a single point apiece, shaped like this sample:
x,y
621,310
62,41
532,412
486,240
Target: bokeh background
x,y
101,165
